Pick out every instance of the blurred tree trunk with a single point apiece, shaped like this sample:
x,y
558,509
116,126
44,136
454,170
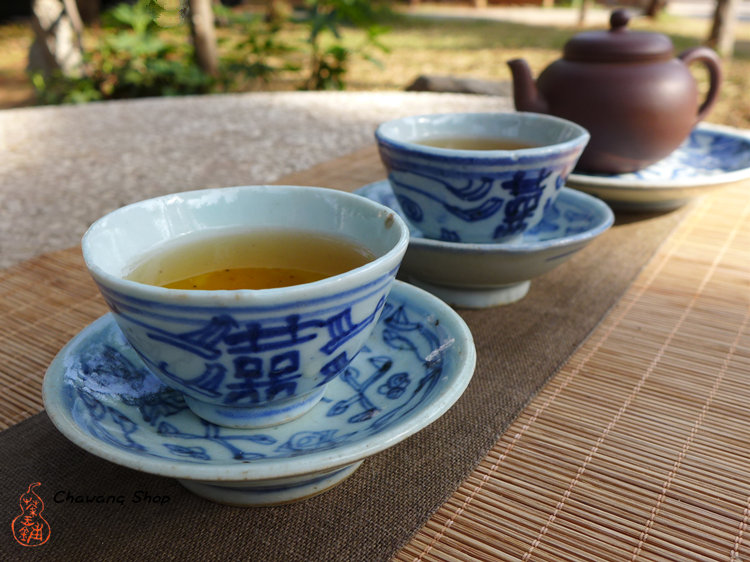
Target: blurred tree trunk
x,y
655,7
90,11
721,36
57,38
583,11
204,35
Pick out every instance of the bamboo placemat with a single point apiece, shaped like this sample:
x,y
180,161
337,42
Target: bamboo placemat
x,y
511,505
639,448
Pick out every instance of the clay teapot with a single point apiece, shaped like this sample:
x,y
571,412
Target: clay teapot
x,y
638,101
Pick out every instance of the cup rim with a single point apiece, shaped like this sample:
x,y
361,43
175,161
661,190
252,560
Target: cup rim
x,y
198,297
581,137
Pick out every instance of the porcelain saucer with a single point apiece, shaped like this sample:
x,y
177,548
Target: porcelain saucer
x,y
416,364
711,157
484,275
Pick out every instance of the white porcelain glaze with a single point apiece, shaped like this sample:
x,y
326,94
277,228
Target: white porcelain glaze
x,y
713,156
483,275
478,196
247,358
415,364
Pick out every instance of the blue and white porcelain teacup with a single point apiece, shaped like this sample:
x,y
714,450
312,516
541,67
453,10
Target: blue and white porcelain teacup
x,y
243,357
478,177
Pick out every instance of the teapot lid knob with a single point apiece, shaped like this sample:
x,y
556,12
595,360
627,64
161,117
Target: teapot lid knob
x,y
618,44
618,20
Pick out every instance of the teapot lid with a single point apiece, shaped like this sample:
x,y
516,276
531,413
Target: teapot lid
x,y
619,44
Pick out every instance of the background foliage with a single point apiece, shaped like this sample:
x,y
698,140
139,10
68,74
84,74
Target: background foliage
x,y
142,49
259,53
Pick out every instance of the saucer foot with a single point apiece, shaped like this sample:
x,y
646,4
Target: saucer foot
x,y
270,492
255,417
476,298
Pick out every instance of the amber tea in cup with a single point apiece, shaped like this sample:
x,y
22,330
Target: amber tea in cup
x,y
476,143
263,259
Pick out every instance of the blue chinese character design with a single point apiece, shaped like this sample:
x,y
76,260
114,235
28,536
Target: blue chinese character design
x,y
114,397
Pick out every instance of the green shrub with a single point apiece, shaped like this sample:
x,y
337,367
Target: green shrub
x,y
329,55
132,58
135,55
249,47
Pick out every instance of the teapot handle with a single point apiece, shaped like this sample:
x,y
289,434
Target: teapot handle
x,y
712,62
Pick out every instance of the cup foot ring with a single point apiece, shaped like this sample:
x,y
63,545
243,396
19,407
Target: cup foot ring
x,y
476,298
258,416
271,492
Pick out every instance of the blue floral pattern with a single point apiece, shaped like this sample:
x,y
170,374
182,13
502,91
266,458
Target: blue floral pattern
x,y
232,357
468,200
115,399
567,216
475,196
705,153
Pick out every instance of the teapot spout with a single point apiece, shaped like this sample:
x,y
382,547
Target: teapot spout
x,y
525,93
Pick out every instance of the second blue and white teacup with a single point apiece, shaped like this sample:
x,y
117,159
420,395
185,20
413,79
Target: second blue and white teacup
x,y
478,177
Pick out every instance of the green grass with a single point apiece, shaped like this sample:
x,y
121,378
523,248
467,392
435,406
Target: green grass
x,y
467,48
479,49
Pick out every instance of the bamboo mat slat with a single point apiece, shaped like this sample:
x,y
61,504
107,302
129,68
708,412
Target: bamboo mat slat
x,y
639,448
32,335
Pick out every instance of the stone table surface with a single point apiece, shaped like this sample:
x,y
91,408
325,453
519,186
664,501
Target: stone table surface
x,y
62,167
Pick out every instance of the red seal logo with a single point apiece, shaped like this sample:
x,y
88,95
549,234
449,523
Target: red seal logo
x,y
30,528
